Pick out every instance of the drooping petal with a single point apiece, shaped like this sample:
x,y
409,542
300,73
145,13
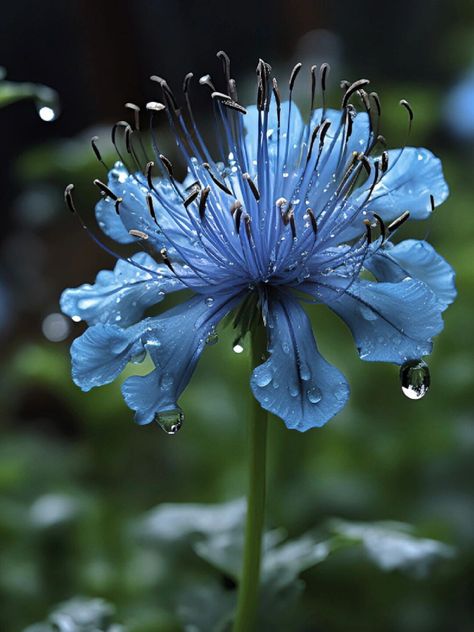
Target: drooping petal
x,y
390,322
121,296
174,344
413,175
296,383
102,352
417,259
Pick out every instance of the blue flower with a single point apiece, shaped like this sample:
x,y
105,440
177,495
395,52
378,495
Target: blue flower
x,y
289,212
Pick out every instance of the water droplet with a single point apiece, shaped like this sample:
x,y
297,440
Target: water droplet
x,y
237,348
305,372
415,379
367,313
264,377
76,318
209,301
212,337
46,113
138,358
170,420
314,395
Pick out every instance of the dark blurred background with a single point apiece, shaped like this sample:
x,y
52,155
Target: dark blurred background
x,y
75,472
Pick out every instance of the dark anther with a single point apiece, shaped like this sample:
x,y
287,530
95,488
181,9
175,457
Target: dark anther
x,y
432,202
294,74
148,168
128,146
151,208
225,59
311,142
398,222
248,223
313,84
263,75
96,151
365,162
252,185
325,125
312,219
383,228
382,140
105,189
324,70
237,217
291,219
217,182
226,100
186,82
364,97
349,120
375,98
202,201
404,103
166,261
68,198
136,113
345,84
154,106
368,230
206,80
276,94
357,85
137,233
235,206
384,164
167,92
115,128
233,89
118,202
168,166
191,197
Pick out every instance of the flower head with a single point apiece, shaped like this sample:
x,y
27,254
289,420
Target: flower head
x,y
288,212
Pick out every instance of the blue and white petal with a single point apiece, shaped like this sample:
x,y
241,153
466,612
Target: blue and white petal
x,y
296,383
174,344
390,322
121,296
413,175
417,259
103,351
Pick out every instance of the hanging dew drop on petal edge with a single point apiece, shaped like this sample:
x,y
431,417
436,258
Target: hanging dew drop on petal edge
x,y
415,379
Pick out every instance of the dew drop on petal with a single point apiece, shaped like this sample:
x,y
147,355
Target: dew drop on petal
x,y
212,337
264,377
209,301
314,395
170,420
166,380
415,379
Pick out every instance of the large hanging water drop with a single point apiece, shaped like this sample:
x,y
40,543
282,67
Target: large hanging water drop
x,y
415,379
170,420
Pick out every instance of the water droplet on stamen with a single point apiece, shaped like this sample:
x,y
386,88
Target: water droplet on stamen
x,y
237,348
415,379
170,420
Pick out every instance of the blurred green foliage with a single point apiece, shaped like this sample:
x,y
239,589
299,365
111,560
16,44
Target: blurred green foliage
x,y
79,482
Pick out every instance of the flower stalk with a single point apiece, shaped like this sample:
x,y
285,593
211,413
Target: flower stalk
x,y
247,603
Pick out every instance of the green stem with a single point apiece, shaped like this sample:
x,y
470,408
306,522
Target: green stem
x,y
249,582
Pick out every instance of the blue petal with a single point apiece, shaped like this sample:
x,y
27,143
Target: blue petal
x,y
417,259
121,296
251,127
390,322
296,383
102,352
174,343
413,175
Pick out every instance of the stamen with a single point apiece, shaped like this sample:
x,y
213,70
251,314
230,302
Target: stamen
x,y
368,229
148,168
324,70
96,151
168,165
105,189
191,197
357,85
291,219
226,100
312,219
248,222
217,182
151,208
225,59
375,98
137,233
384,163
294,74
365,162
432,202
166,261
202,201
136,114
68,198
404,103
155,106
276,94
398,222
237,218
206,80
252,185
167,92
313,85
118,202
383,228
